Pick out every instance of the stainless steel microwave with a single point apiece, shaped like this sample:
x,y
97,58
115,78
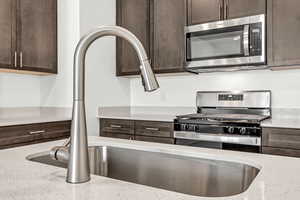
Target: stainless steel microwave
x,y
226,45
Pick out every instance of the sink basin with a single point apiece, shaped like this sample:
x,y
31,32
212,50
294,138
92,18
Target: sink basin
x,y
188,175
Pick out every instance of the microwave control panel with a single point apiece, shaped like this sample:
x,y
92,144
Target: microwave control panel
x,y
255,39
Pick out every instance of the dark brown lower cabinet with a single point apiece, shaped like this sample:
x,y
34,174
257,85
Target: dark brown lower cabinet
x,y
154,129
281,152
148,131
20,135
155,139
117,126
117,135
281,141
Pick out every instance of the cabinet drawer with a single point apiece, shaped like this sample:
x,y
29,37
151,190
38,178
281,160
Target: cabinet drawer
x,y
157,129
281,152
116,135
117,126
11,135
155,139
281,138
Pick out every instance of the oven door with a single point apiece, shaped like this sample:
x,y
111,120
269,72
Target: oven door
x,y
218,141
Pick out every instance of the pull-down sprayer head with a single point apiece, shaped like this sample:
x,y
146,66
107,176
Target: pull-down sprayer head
x,y
148,78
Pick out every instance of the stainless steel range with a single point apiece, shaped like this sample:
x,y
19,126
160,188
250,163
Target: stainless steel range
x,y
225,120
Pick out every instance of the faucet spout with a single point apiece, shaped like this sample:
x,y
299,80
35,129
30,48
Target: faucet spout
x,y
78,165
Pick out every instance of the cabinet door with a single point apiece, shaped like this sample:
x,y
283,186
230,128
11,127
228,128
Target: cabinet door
x,y
7,33
117,126
281,152
37,35
169,20
154,129
281,138
19,135
202,11
243,8
283,32
133,15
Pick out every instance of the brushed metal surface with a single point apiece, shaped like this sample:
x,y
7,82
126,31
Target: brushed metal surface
x,y
78,166
222,138
225,23
251,99
246,40
229,64
188,175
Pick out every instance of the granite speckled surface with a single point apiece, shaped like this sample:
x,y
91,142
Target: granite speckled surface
x,y
20,179
29,115
166,114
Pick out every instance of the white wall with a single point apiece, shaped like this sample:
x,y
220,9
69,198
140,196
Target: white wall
x,y
181,90
103,88
56,90
19,90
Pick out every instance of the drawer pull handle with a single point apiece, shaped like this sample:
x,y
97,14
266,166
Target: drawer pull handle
x,y
152,129
115,126
36,132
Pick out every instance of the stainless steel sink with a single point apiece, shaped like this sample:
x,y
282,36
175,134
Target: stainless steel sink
x,y
188,175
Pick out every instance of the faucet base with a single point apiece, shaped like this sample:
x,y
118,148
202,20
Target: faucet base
x,y
78,167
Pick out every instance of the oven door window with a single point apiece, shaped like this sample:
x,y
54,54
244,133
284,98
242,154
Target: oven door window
x,y
223,43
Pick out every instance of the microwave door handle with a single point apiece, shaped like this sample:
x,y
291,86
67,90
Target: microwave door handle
x,y
246,40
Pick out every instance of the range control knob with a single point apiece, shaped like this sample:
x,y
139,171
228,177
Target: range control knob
x,y
191,127
243,131
183,127
231,130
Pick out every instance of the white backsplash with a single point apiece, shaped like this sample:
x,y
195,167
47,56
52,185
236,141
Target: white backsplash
x,y
181,90
19,90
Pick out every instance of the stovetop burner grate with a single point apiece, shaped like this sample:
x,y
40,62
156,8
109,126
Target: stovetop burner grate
x,y
225,117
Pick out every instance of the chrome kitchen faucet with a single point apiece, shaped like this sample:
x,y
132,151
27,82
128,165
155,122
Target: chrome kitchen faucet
x,y
76,150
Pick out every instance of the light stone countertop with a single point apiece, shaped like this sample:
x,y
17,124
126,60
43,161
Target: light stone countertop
x,y
20,179
166,114
283,118
30,115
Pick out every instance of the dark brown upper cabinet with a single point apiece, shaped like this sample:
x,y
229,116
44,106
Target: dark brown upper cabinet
x,y
169,20
28,36
203,11
133,15
159,24
283,33
37,42
7,33
243,8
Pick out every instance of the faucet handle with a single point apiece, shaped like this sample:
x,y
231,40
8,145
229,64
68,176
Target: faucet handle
x,y
67,142
60,153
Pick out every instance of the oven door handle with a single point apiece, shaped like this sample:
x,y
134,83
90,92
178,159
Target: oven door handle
x,y
246,40
222,138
